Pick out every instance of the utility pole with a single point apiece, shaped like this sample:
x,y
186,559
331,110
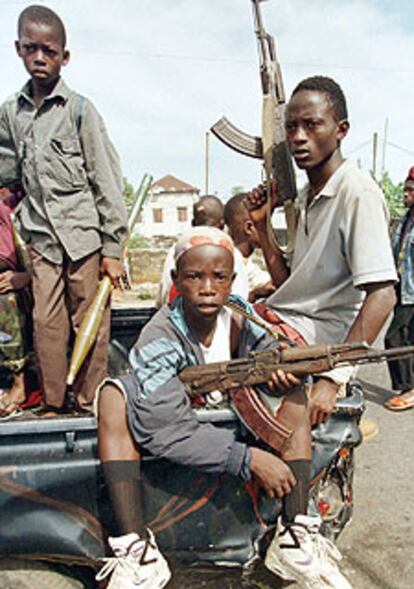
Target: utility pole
x,y
374,154
384,146
207,162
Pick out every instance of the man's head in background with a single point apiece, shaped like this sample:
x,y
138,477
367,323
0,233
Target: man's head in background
x,y
208,211
239,225
409,189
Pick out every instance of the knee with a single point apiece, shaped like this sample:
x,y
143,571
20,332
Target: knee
x,y
111,409
294,409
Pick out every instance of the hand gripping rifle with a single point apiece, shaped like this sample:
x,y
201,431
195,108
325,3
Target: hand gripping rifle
x,y
239,376
271,147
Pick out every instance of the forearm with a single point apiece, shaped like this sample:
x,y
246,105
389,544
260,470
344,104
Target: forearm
x,y
376,308
275,262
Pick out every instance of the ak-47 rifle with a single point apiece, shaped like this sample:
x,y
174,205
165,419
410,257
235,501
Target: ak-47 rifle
x,y
238,377
271,147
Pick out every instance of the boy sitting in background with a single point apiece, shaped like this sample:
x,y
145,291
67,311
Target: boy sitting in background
x,y
246,239
13,281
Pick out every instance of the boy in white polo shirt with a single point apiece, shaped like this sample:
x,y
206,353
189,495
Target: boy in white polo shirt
x,y
339,286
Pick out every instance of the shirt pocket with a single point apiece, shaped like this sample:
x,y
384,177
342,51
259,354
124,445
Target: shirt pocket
x,y
67,163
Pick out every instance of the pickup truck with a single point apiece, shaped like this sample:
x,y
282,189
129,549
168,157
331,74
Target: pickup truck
x,y
55,515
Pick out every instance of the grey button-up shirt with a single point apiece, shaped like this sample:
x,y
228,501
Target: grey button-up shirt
x,y
70,171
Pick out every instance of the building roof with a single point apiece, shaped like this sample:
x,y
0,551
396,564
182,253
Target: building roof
x,y
170,183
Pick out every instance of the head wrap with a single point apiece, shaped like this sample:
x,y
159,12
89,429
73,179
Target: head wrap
x,y
410,175
197,236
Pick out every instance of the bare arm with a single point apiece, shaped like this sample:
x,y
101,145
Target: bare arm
x,y
258,206
378,304
376,308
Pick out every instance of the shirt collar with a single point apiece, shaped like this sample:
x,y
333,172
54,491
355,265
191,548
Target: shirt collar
x,y
60,92
331,188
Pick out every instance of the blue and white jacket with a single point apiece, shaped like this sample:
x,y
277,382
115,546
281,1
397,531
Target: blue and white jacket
x,y
160,415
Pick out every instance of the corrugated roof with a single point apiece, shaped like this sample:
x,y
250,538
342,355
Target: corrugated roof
x,y
170,183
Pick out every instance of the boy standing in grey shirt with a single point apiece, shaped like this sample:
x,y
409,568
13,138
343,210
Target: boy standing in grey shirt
x,y
73,214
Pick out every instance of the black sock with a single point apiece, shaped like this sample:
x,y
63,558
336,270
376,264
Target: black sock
x,y
297,501
123,480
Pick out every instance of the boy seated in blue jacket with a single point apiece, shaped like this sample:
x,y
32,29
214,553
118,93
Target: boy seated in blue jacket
x,y
150,409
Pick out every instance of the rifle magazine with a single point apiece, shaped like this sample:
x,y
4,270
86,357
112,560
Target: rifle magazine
x,y
258,420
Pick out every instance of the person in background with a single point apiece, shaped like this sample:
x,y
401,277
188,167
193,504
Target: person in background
x,y
244,235
208,211
73,214
13,309
401,330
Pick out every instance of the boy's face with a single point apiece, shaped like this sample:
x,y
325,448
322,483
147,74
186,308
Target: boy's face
x,y
409,193
313,132
40,47
204,277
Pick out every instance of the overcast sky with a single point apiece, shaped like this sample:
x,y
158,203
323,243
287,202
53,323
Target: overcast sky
x,y
162,71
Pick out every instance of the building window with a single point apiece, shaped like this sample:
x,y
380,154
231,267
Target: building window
x,y
157,215
182,214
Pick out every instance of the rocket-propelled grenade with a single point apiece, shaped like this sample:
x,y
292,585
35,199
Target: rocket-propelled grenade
x,y
89,328
93,317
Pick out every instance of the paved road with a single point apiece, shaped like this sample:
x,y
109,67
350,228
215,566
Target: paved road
x,y
378,545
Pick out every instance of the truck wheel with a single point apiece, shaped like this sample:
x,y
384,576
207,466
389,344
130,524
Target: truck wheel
x,y
26,574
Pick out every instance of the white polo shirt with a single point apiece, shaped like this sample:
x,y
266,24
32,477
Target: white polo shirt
x,y
342,243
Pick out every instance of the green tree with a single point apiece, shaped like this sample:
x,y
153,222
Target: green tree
x,y
393,195
236,189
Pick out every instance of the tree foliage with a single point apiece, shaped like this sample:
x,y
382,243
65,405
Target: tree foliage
x,y
236,190
393,195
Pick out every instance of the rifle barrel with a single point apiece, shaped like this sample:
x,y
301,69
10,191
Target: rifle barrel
x,y
372,355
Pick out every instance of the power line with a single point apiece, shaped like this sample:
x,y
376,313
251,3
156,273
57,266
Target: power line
x,y
203,58
390,143
360,146
404,149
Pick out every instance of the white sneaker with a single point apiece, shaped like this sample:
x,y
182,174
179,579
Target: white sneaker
x,y
329,555
272,559
294,549
137,564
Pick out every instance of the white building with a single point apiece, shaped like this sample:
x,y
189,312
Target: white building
x,y
168,209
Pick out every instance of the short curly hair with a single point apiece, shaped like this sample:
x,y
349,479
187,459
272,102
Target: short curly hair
x,y
42,14
330,88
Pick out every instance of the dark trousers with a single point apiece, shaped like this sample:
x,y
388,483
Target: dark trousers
x,y
62,294
401,333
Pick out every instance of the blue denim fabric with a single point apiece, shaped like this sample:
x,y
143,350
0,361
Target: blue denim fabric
x,y
404,260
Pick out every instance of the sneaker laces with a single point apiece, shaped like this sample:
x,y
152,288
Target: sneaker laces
x,y
126,561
